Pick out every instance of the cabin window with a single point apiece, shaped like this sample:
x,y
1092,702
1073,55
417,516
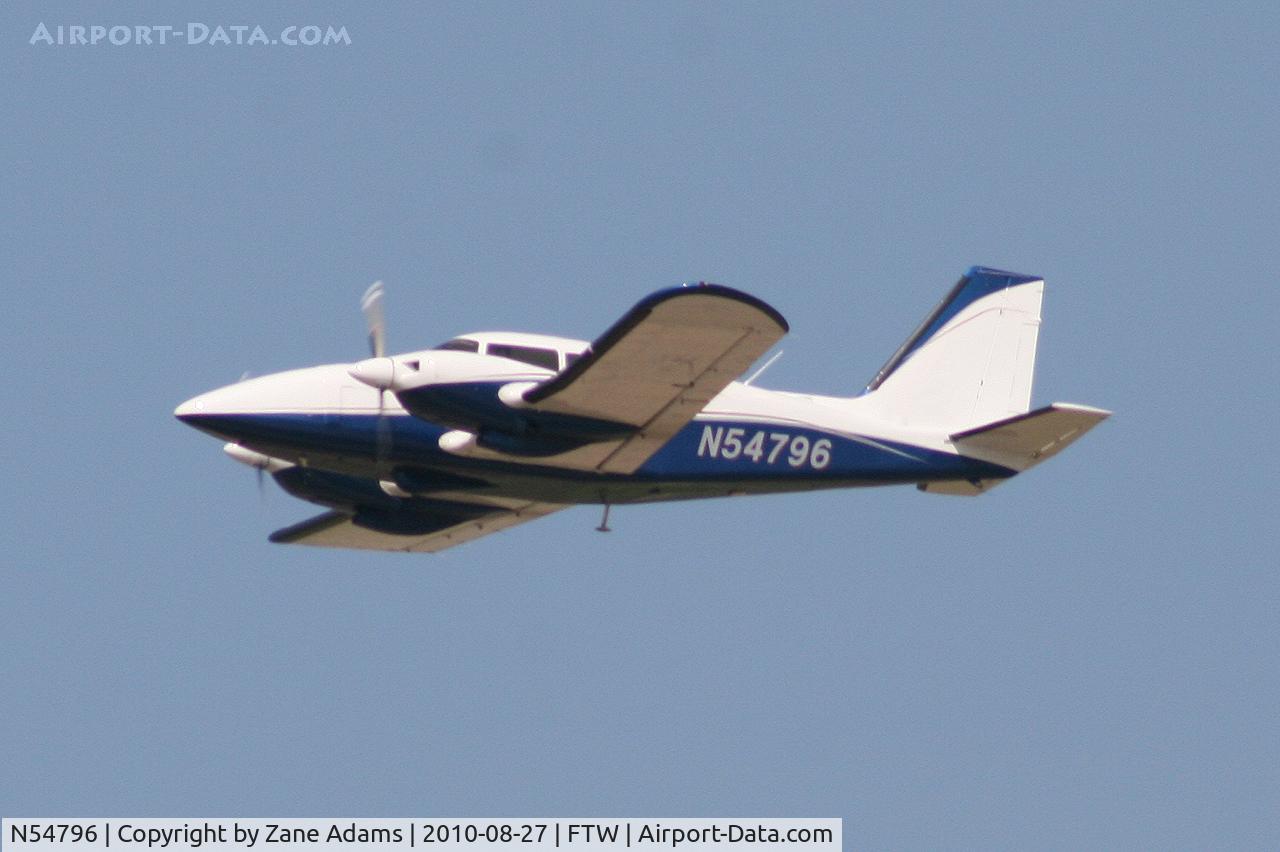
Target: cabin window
x,y
548,359
460,344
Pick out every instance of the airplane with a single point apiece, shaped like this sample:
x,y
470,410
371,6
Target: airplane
x,y
429,449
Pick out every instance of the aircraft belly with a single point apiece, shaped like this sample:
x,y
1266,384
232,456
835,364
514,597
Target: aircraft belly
x,y
549,487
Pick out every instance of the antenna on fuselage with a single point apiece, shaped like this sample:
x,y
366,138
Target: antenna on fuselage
x,y
767,365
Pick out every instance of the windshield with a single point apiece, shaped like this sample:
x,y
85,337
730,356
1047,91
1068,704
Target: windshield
x,y
546,358
460,344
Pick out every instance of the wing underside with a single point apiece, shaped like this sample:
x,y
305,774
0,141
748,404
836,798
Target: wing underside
x,y
421,532
657,367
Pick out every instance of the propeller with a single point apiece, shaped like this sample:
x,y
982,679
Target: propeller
x,y
377,373
375,319
256,460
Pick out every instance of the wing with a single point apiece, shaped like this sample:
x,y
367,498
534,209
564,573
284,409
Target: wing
x,y
657,367
412,531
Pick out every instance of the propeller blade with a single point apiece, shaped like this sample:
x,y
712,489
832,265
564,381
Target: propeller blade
x,y
375,319
383,436
377,373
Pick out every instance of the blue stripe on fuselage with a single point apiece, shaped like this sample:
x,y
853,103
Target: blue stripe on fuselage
x,y
726,449
332,433
721,450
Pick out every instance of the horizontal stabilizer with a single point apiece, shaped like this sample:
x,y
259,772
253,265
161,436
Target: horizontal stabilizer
x,y
1024,440
1018,443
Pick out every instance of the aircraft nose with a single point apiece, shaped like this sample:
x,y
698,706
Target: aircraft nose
x,y
191,409
213,407
202,413
243,397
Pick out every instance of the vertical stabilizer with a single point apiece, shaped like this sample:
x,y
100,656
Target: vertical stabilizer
x,y
972,359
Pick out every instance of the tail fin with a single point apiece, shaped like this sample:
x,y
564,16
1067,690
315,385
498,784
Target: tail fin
x,y
972,359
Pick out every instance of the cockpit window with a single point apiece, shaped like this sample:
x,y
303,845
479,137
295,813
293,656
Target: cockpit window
x,y
460,344
546,358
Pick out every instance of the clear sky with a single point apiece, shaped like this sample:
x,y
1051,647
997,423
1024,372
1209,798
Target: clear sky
x,y
1085,657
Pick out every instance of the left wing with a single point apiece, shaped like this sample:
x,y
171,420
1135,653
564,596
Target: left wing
x,y
409,530
657,367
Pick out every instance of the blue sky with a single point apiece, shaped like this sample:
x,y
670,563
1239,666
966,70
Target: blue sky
x,y
1084,657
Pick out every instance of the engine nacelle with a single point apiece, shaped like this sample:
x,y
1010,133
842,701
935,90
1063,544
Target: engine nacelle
x,y
513,394
494,444
459,443
375,372
502,419
255,459
392,489
335,490
419,481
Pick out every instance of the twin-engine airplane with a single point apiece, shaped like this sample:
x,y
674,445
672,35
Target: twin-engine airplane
x,y
429,449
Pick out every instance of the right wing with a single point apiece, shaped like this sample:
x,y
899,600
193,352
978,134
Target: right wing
x,y
656,368
410,531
